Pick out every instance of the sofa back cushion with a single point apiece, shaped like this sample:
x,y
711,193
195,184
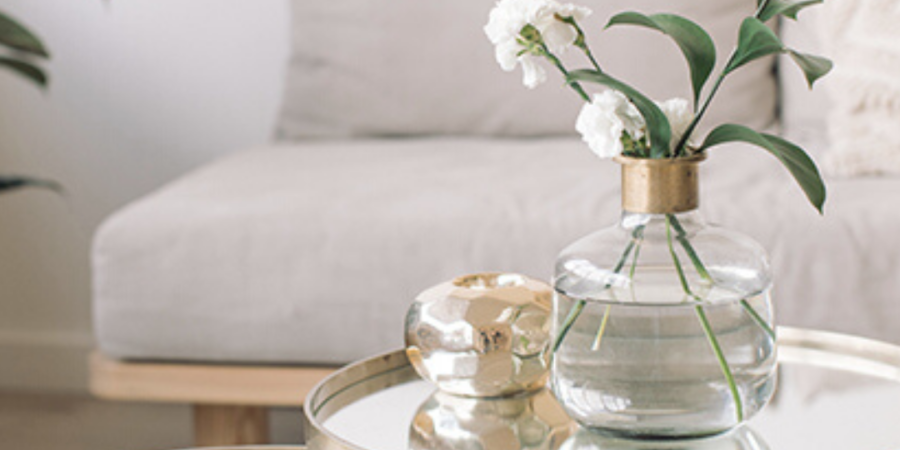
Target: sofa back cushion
x,y
425,67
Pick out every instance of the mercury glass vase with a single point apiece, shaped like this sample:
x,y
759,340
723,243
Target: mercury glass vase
x,y
662,323
482,335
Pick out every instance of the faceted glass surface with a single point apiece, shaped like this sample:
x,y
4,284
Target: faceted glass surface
x,y
482,335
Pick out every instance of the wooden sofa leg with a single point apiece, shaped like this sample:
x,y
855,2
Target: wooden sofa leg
x,y
220,425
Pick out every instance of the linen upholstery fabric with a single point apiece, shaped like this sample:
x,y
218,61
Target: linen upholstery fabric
x,y
865,40
425,67
312,253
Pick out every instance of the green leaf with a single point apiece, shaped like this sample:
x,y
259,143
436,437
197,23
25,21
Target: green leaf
x,y
785,8
11,182
814,67
696,45
16,36
28,70
755,41
793,157
657,123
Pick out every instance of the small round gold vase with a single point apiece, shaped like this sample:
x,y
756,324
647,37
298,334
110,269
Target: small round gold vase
x,y
660,186
482,335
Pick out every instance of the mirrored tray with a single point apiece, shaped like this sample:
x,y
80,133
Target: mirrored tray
x,y
835,392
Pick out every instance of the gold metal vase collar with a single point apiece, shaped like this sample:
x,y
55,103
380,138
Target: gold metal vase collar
x,y
660,186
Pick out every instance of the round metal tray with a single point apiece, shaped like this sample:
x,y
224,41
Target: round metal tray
x,y
871,360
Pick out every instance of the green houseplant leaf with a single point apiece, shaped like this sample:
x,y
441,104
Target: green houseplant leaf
x,y
11,182
657,124
755,40
785,8
28,70
16,36
793,157
813,67
696,45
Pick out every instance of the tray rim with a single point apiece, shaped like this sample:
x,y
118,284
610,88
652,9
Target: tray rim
x,y
795,346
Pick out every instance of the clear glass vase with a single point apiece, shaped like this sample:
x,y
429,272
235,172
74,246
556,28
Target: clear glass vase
x,y
662,324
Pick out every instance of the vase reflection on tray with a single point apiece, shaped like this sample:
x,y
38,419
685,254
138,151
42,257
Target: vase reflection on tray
x,y
450,422
741,438
536,421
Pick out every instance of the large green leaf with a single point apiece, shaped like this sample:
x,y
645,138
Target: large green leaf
x,y
696,45
793,157
657,124
755,41
785,8
813,67
28,70
15,35
10,182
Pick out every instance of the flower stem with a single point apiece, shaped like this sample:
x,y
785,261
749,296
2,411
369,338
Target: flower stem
x,y
567,324
688,248
684,283
701,269
707,328
680,149
637,252
723,363
758,319
580,40
578,307
559,65
602,329
637,240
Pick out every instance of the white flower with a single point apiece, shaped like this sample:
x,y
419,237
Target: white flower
x,y
603,120
680,115
505,25
558,35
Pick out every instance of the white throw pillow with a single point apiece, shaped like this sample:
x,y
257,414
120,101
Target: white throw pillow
x,y
425,67
864,40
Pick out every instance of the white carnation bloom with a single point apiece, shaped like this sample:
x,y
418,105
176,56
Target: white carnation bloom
x,y
558,35
603,120
509,17
680,115
532,73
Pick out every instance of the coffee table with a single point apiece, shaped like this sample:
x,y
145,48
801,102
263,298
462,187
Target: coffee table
x,y
836,392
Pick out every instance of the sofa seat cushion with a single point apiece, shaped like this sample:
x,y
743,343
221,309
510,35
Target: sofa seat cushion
x,y
311,253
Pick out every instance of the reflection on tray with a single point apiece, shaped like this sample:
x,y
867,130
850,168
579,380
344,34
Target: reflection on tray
x,y
742,438
447,422
535,422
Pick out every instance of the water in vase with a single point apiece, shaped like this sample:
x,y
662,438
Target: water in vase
x,y
639,363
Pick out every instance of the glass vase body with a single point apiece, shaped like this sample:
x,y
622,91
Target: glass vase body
x,y
662,323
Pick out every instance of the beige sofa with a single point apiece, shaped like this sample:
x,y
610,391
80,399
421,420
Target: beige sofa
x,y
406,157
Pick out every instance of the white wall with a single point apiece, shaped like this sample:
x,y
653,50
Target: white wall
x,y
142,91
